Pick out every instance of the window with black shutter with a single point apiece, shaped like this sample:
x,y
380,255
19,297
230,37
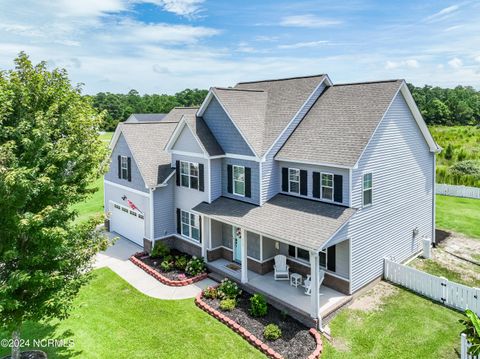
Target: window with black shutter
x,y
331,258
284,179
248,182
338,188
316,185
303,182
229,179
201,178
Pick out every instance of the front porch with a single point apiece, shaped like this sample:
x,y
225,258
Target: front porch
x,y
281,294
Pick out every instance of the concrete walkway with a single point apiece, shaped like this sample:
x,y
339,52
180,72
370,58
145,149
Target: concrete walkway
x,y
117,257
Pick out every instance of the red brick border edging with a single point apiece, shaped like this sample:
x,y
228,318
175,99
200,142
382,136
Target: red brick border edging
x,y
252,339
167,281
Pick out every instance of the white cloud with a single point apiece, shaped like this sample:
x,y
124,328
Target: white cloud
x,y
442,14
410,63
308,20
141,33
477,58
187,8
455,63
87,8
299,45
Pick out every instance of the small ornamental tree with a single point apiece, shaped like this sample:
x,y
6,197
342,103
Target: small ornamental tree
x,y
50,153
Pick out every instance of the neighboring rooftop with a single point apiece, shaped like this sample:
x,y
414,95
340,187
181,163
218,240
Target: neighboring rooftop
x,y
341,122
175,115
145,117
310,223
146,141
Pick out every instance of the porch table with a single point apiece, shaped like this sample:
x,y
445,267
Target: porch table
x,y
295,279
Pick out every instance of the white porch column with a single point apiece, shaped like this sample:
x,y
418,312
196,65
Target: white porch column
x,y
315,298
244,278
205,236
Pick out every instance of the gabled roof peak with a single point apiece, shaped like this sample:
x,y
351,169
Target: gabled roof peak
x,y
237,89
367,82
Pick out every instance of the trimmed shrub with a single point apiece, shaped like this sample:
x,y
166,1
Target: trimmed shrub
x,y
228,305
258,305
272,332
160,250
467,167
228,289
195,266
210,293
181,262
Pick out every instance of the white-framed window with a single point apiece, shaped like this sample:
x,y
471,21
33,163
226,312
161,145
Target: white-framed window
x,y
124,167
189,174
327,186
190,225
239,180
294,180
367,196
298,253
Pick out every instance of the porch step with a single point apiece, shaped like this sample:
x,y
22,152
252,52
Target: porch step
x,y
216,276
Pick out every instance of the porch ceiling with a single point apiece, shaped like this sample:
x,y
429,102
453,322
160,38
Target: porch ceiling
x,y
296,220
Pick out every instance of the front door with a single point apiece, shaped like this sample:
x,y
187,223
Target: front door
x,y
237,244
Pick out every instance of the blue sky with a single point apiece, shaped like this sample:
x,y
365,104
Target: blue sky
x,y
168,45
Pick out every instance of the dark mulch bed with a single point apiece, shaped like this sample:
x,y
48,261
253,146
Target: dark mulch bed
x,y
295,343
33,354
174,273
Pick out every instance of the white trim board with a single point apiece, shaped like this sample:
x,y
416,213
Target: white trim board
x,y
313,163
136,191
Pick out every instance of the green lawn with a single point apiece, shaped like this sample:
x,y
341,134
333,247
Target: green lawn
x,y
114,320
460,215
405,326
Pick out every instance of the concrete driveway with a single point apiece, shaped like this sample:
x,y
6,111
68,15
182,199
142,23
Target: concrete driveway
x,y
116,257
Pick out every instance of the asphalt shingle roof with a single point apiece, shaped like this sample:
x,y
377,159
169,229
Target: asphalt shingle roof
x,y
146,117
341,122
146,142
296,220
262,109
175,115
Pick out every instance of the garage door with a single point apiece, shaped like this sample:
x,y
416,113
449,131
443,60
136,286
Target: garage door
x,y
127,222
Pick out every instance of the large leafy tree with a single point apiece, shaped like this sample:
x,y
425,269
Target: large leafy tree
x,y
50,153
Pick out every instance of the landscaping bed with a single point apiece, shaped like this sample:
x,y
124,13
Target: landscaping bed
x,y
295,341
170,266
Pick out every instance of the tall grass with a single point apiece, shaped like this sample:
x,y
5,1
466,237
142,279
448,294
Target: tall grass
x,y
459,143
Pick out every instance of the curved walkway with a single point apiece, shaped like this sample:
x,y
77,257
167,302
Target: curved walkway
x,y
117,257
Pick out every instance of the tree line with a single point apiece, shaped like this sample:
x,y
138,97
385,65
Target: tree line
x,y
439,106
118,107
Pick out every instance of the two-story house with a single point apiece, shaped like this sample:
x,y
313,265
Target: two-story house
x,y
335,177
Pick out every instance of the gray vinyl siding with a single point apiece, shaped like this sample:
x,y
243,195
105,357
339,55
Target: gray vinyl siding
x,y
187,198
253,245
402,167
342,259
216,178
186,142
312,168
121,149
227,236
216,233
224,130
164,210
255,179
115,194
270,168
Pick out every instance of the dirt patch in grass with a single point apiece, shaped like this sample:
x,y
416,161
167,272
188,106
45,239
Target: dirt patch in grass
x,y
374,298
456,258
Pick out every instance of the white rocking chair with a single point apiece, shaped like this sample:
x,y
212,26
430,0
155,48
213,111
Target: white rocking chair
x,y
281,269
308,282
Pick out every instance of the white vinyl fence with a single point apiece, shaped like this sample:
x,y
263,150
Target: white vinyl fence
x,y
457,191
464,345
452,294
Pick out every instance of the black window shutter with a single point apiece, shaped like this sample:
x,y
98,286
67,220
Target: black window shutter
x,y
331,258
129,170
119,166
316,185
248,182
338,188
177,172
284,179
179,221
303,182
200,228
229,179
201,179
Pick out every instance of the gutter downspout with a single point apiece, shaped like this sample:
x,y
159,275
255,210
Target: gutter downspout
x,y
151,219
434,199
